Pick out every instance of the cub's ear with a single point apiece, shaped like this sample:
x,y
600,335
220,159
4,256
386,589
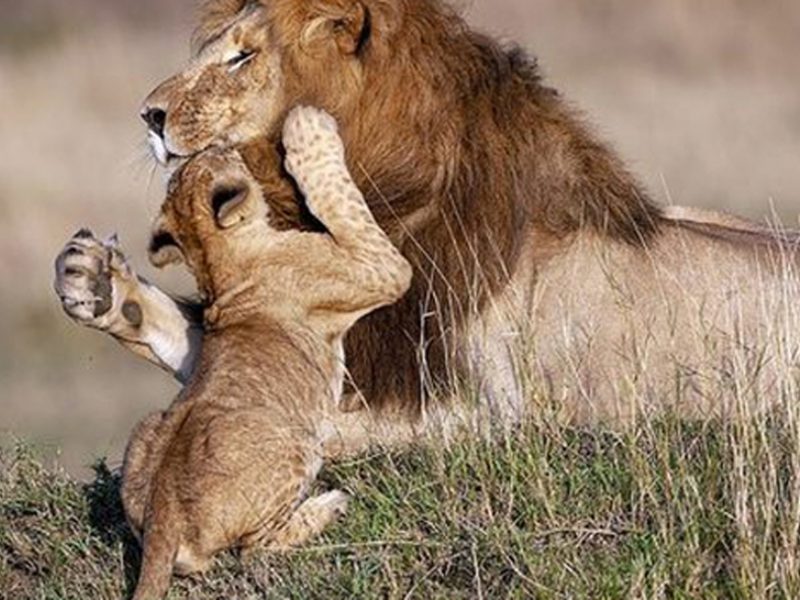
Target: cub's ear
x,y
164,250
350,27
233,204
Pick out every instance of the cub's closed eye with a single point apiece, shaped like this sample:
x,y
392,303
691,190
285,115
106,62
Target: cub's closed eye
x,y
242,58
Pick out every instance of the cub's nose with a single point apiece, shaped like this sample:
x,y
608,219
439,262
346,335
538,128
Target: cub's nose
x,y
156,119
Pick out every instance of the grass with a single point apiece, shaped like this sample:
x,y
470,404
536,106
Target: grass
x,y
672,510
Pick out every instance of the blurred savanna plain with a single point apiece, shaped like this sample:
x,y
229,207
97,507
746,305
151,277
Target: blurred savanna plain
x,y
701,98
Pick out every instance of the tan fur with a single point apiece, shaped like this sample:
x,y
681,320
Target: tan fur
x,y
493,188
231,461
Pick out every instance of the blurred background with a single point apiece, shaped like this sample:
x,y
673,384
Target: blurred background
x,y
702,97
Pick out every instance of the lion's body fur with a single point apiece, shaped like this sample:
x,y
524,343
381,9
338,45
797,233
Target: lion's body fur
x,y
498,193
701,321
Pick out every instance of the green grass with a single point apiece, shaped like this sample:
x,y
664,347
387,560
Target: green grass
x,y
669,510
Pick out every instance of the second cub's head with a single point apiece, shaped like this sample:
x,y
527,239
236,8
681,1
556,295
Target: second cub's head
x,y
215,219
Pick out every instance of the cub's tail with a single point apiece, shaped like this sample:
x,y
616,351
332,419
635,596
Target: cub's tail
x,y
161,541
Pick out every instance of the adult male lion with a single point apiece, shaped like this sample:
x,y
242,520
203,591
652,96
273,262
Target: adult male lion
x,y
541,264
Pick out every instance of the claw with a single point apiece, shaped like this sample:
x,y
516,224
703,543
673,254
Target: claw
x,y
117,261
84,234
112,242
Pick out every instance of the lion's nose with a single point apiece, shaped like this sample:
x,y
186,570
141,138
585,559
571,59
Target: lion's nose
x,y
156,119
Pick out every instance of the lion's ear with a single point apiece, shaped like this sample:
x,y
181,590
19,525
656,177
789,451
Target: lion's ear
x,y
351,29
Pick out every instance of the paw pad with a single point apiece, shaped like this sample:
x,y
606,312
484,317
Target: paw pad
x,y
84,278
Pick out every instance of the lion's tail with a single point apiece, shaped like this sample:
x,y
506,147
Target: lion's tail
x,y
161,542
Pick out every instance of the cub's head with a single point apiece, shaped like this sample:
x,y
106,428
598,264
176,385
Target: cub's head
x,y
216,220
255,59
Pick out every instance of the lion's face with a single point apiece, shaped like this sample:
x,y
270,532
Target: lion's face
x,y
214,218
229,93
254,63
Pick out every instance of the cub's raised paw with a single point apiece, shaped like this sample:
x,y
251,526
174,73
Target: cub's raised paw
x,y
312,142
88,279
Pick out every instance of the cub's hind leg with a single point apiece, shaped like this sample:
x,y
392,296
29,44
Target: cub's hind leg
x,y
311,519
307,521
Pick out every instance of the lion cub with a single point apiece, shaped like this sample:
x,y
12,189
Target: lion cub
x,y
229,464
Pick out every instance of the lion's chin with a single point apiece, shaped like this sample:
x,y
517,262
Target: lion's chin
x,y
158,148
169,162
163,154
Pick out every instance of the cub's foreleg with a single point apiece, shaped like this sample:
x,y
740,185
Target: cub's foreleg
x,y
372,271
98,289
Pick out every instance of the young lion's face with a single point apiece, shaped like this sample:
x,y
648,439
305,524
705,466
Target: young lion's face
x,y
256,61
215,219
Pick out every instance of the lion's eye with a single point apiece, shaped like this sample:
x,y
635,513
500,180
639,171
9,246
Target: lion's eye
x,y
241,59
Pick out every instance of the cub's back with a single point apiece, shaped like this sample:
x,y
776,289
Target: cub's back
x,y
262,363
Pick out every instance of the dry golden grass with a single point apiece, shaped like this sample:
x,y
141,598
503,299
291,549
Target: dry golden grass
x,y
672,510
